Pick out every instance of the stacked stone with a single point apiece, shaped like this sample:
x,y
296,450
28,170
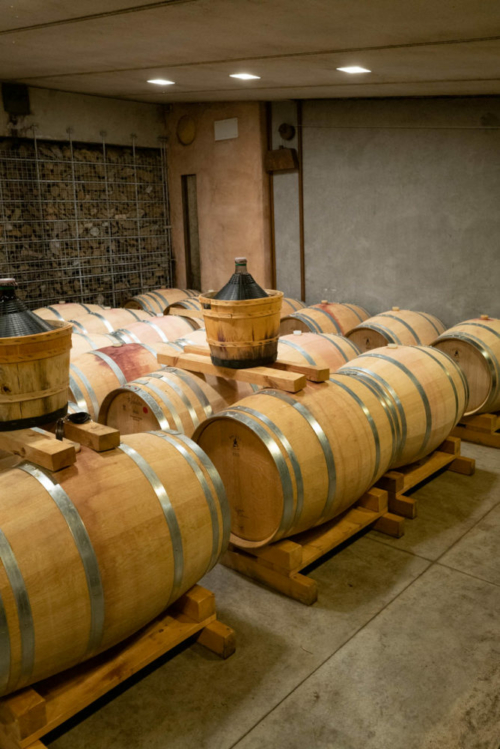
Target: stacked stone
x,y
67,224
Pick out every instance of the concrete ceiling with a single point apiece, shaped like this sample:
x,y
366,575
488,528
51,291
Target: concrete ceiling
x,y
111,47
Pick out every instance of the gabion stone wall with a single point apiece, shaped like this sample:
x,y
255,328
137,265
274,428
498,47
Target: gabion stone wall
x,y
83,222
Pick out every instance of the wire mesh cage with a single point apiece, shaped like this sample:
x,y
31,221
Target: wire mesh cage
x,y
83,222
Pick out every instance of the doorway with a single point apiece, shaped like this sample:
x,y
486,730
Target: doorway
x,y
191,236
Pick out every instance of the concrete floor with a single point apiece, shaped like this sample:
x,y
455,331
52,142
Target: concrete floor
x,y
402,650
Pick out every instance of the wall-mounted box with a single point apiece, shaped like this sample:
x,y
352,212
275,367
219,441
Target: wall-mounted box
x,y
226,129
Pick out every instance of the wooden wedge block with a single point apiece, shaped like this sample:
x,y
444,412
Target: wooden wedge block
x,y
39,447
463,465
450,445
96,436
219,638
391,525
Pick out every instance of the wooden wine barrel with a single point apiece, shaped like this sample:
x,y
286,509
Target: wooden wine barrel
x,y
67,311
189,308
317,452
156,302
327,317
289,305
169,399
94,554
323,349
424,390
81,342
401,326
97,373
475,346
34,375
155,330
109,320
243,333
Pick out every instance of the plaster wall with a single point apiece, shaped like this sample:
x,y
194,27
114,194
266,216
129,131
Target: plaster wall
x,y
232,191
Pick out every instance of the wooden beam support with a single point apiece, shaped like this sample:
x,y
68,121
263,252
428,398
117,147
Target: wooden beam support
x,y
39,447
263,376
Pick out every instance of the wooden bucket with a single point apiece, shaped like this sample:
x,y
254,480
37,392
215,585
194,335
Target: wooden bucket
x,y
169,399
317,452
67,311
327,317
81,342
96,373
401,326
243,333
34,375
475,346
323,349
155,330
424,390
156,302
109,320
97,553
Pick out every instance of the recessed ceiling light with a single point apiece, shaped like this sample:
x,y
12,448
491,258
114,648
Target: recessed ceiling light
x,y
161,82
244,76
354,69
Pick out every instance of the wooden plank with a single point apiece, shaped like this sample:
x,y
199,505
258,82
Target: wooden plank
x,y
312,372
466,466
294,585
40,448
263,376
66,694
390,524
319,541
482,422
424,470
477,437
219,638
96,436
198,350
406,507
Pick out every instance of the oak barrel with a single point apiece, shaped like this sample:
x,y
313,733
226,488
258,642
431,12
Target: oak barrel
x,y
289,305
323,349
96,373
244,332
109,320
401,326
317,451
83,342
67,311
155,330
157,301
169,399
475,346
327,317
34,375
189,308
424,390
90,557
